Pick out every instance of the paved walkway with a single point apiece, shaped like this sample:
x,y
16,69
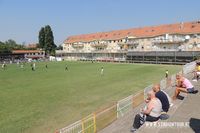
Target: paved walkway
x,y
186,111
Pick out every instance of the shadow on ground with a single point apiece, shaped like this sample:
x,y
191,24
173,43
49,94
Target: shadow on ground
x,y
195,125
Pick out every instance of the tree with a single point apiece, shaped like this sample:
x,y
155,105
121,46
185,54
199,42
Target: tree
x,y
11,42
41,38
46,40
4,48
9,45
59,47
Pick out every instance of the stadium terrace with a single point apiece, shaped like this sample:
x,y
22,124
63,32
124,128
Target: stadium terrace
x,y
16,55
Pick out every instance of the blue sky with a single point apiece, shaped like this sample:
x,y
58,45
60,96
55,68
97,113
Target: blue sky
x,y
21,20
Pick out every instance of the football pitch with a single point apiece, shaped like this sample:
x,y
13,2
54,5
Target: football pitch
x,y
50,98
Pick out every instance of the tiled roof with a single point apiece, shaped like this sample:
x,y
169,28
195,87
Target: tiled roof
x,y
150,31
25,51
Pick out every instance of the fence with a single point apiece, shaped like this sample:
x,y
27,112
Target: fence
x,y
100,119
106,117
126,104
146,90
86,125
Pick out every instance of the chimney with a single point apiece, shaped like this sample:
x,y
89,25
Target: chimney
x,y
181,25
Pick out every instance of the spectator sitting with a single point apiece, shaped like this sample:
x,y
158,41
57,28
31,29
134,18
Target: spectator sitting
x,y
162,96
168,97
183,85
150,113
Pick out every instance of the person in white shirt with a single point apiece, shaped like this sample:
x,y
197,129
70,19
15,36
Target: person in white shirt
x,y
102,71
150,113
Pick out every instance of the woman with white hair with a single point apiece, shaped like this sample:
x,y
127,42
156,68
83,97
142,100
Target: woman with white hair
x,y
150,113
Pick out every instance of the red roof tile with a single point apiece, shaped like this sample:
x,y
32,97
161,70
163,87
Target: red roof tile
x,y
150,31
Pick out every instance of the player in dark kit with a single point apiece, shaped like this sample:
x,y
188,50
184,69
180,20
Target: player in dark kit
x,y
66,68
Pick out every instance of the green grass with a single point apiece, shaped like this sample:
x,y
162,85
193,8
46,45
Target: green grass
x,y
45,100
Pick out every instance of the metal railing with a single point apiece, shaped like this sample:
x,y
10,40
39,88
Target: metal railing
x,y
124,106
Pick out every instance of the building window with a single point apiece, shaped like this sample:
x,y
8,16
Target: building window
x,y
142,47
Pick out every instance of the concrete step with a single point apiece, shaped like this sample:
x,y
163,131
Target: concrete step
x,y
184,111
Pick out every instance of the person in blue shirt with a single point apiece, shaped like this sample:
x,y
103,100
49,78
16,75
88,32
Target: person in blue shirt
x,y
162,97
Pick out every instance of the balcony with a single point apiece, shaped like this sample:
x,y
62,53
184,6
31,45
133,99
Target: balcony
x,y
99,45
132,42
78,46
169,41
129,42
122,43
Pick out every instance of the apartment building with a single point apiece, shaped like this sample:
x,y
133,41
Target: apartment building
x,y
184,36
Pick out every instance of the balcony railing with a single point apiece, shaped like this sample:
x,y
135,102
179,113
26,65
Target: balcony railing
x,y
133,42
122,43
168,41
77,45
128,43
101,45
